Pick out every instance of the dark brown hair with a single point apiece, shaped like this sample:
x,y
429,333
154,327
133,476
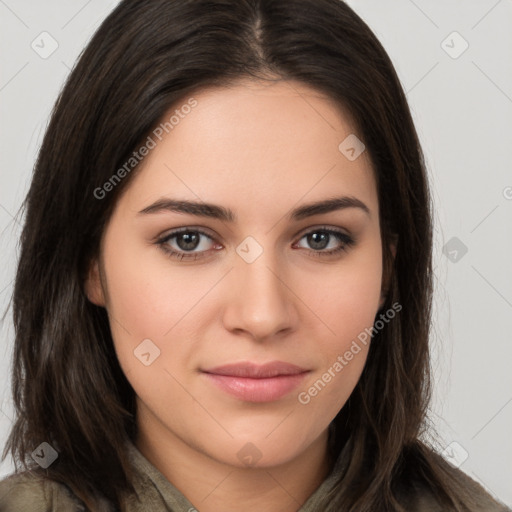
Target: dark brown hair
x,y
68,387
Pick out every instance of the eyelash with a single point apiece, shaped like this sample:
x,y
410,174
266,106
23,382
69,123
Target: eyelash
x,y
347,241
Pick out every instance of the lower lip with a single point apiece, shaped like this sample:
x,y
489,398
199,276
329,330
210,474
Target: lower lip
x,y
257,390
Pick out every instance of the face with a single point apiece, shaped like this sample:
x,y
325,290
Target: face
x,y
256,281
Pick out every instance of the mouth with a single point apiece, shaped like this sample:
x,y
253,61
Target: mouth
x,y
257,383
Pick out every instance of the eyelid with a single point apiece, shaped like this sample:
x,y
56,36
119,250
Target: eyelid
x,y
174,231
322,227
211,235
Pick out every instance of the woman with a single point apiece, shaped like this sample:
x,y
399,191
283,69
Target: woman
x,y
224,288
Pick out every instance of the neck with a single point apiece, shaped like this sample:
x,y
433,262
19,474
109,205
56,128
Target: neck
x,y
212,486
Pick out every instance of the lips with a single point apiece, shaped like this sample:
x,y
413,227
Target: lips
x,y
256,383
254,371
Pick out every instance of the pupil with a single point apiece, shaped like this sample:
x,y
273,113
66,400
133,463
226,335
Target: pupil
x,y
190,241
318,240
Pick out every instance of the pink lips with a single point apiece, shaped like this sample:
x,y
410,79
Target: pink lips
x,y
257,383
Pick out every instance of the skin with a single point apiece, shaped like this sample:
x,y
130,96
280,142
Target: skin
x,y
260,150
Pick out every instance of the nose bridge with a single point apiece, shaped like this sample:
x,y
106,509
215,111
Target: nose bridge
x,y
262,303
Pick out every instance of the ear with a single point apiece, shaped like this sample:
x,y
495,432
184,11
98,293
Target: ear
x,y
93,287
387,274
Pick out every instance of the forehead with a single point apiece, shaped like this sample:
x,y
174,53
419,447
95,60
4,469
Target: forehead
x,y
254,140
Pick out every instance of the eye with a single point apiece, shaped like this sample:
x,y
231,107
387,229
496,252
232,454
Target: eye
x,y
189,243
322,238
180,244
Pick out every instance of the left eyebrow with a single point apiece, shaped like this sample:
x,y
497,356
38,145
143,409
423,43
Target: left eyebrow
x,y
326,206
225,214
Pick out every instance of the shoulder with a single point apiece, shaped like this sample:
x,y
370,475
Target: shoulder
x,y
35,493
421,497
479,500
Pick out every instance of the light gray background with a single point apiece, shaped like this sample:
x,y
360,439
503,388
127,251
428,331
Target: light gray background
x,y
463,111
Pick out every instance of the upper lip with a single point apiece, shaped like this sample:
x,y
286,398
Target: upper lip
x,y
257,371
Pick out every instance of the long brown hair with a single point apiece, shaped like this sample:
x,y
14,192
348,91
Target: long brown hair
x,y
68,387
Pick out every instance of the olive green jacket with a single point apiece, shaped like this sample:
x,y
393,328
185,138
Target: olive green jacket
x,y
25,492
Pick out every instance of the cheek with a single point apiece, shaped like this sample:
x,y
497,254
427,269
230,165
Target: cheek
x,y
148,308
147,299
342,350
346,298
346,302
146,302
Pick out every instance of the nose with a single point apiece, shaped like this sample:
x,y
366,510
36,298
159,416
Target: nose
x,y
261,302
